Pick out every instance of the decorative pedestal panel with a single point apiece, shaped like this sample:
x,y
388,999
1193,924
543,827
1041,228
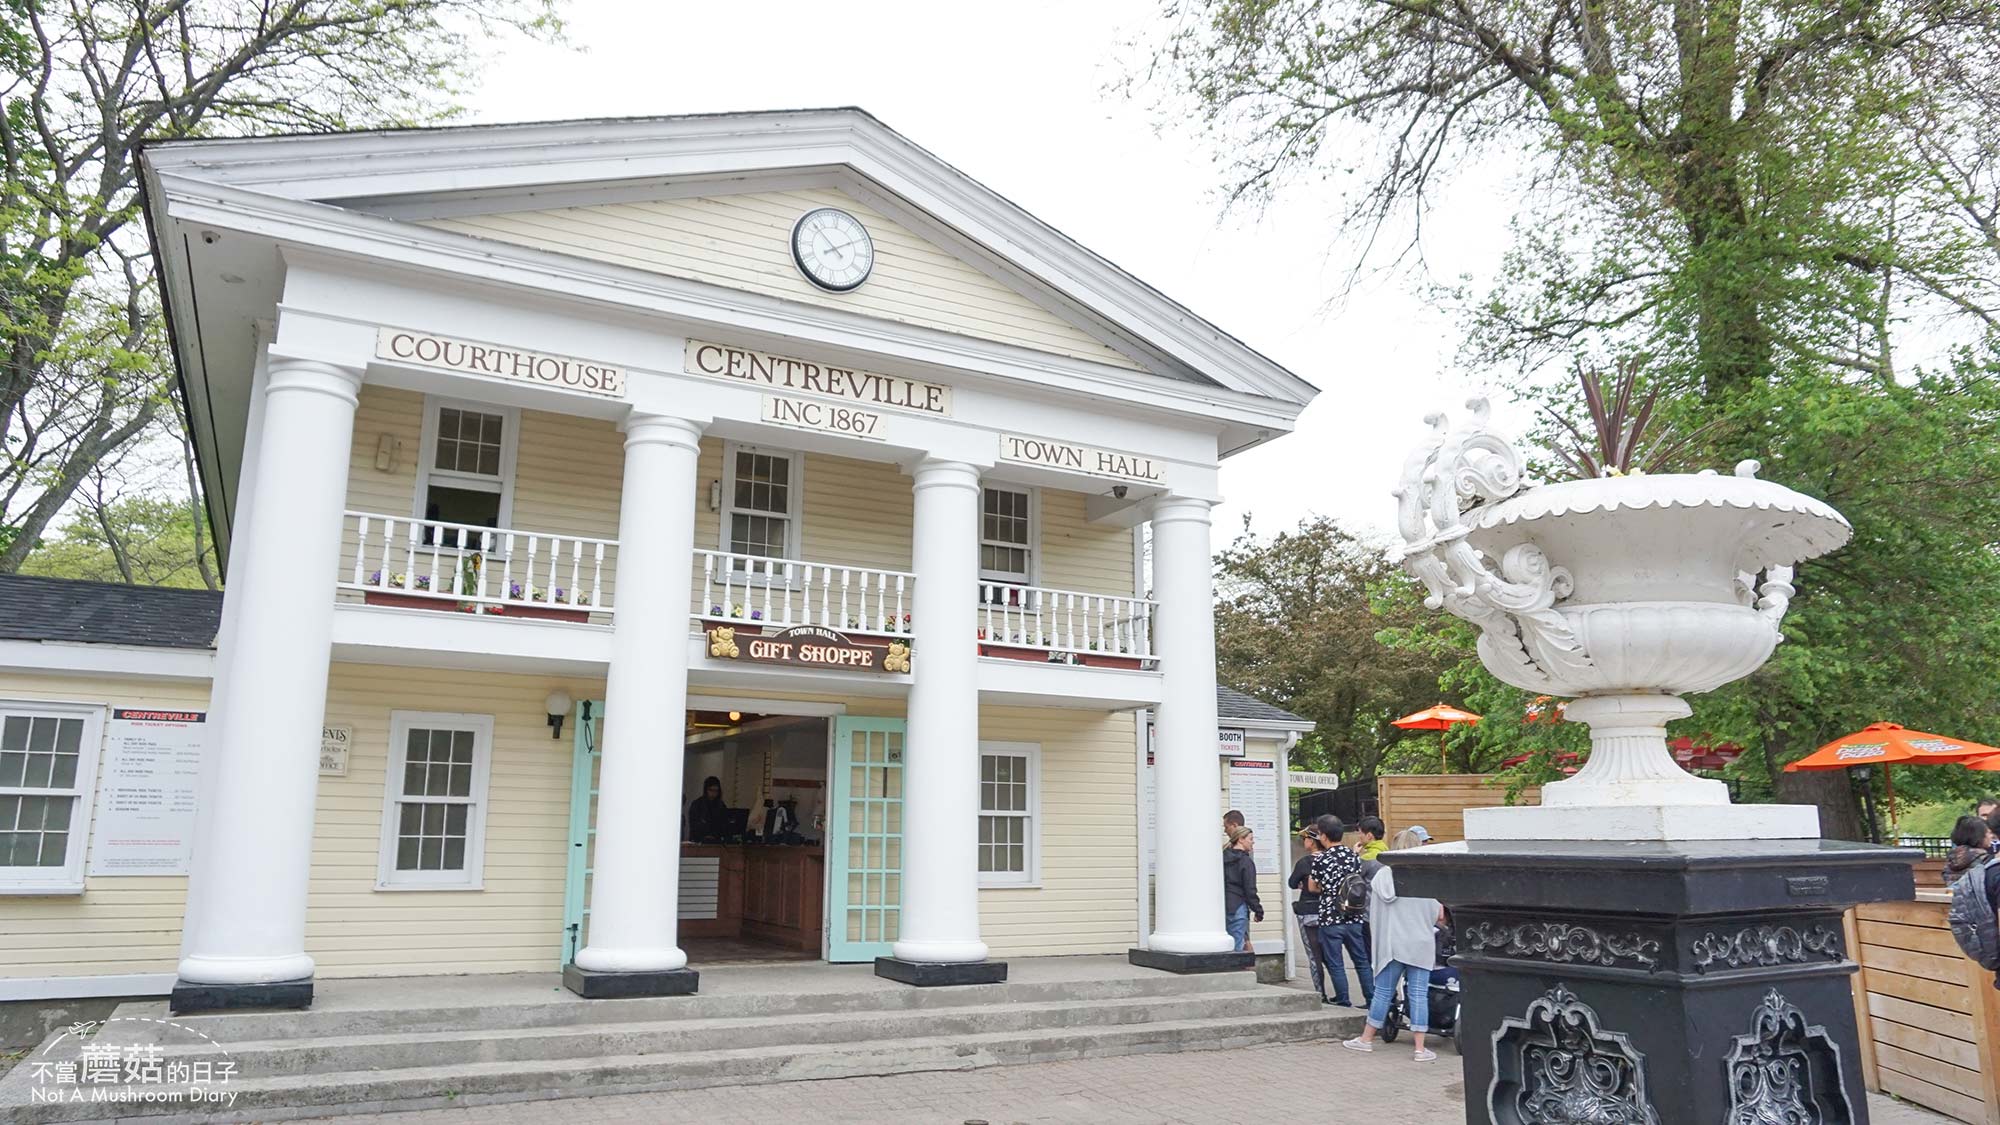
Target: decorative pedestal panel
x,y
1663,983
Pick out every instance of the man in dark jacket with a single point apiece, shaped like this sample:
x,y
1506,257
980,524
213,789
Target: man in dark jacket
x,y
1239,886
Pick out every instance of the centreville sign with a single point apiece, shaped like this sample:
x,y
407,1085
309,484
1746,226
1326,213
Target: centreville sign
x,y
783,373
1078,458
807,646
562,372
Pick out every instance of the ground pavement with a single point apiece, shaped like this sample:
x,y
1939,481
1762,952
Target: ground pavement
x,y
1287,1082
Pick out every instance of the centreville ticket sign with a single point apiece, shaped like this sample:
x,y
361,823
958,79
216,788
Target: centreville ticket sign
x,y
476,358
807,646
805,376
1078,458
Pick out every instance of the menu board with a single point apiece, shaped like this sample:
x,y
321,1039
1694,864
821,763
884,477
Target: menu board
x,y
146,792
1253,790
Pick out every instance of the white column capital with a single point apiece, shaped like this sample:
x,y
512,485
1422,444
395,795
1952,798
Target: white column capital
x,y
315,376
1181,509
661,429
932,472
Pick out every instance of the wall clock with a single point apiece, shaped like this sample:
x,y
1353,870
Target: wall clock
x,y
832,249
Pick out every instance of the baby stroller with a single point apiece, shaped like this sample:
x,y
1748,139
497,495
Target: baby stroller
x,y
1444,996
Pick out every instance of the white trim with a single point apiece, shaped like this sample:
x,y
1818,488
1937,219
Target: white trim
x,y
67,879
79,988
800,707
1034,544
510,447
1032,877
45,657
473,878
795,494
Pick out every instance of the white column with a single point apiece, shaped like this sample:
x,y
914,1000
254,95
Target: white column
x,y
1188,843
246,908
940,911
635,880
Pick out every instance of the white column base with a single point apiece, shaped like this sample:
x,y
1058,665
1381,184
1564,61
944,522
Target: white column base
x,y
244,970
652,959
940,952
1643,822
1217,941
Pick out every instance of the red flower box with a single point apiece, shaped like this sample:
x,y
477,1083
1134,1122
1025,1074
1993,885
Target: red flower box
x,y
447,605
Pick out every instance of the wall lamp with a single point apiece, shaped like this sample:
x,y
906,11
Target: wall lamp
x,y
558,707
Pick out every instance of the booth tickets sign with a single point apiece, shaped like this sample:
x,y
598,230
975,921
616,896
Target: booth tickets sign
x,y
807,646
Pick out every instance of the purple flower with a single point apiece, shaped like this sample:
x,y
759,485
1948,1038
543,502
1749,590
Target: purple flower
x,y
756,615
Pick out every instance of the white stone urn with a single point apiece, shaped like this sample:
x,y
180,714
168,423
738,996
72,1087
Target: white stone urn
x,y
1624,592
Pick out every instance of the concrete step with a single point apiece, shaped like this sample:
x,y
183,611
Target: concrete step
x,y
274,1097
635,1038
401,1011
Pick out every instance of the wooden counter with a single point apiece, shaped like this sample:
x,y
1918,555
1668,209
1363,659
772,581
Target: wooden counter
x,y
1930,1017
758,892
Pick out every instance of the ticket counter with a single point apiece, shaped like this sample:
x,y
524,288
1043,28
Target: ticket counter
x,y
765,894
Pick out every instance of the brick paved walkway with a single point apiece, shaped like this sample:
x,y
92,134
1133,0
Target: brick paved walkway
x,y
1291,1082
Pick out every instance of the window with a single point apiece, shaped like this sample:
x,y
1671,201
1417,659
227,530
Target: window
x,y
761,511
1009,807
1006,535
48,756
434,807
466,475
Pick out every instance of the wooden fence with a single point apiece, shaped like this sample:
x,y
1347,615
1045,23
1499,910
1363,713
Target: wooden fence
x,y
1438,801
1929,1016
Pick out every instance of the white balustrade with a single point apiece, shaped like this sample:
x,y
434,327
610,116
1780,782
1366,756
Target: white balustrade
x,y
1065,623
781,593
486,568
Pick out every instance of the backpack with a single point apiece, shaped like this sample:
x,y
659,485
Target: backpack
x,y
1972,920
1354,888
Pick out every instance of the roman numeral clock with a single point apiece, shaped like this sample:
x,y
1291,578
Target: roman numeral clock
x,y
832,249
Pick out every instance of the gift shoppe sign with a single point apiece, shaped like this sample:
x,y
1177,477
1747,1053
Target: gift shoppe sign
x,y
807,646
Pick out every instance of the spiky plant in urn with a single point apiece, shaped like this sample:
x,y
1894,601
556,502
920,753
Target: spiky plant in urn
x,y
1635,948
1625,589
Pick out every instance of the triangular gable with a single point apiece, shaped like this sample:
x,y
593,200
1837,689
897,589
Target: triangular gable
x,y
742,241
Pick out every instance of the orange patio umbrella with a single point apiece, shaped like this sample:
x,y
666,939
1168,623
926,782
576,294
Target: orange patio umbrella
x,y
1886,744
1440,719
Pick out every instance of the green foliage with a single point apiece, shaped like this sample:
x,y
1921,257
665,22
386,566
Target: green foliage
x,y
150,540
1296,620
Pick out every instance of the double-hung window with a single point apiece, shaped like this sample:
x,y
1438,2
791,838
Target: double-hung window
x,y
1006,540
434,807
467,470
1009,814
761,492
48,759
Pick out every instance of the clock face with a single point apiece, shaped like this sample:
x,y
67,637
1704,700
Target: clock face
x,y
832,249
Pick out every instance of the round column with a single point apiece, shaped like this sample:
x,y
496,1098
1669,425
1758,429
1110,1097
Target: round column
x,y
635,880
940,909
246,906
1188,845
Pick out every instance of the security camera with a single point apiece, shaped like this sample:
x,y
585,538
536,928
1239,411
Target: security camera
x,y
1118,491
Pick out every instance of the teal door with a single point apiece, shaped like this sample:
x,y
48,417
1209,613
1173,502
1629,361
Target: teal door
x,y
582,825
864,851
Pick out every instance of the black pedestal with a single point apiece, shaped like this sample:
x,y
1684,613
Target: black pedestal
x,y
190,997
1656,983
926,974
593,985
1192,962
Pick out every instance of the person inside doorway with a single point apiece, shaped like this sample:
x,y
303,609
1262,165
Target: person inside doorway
x,y
1239,886
708,816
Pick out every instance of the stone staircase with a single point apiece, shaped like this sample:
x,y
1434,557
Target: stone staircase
x,y
446,1041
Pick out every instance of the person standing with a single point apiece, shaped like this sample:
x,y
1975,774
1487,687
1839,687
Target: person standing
x,y
1971,845
1405,946
1343,910
1305,909
1239,886
1371,831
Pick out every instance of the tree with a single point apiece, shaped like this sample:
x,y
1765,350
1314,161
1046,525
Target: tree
x,y
1296,620
81,85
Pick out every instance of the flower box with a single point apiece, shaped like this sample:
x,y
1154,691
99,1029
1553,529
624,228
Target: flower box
x,y
1015,652
1105,660
448,605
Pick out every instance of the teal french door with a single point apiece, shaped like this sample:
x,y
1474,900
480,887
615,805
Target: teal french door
x,y
864,844
582,824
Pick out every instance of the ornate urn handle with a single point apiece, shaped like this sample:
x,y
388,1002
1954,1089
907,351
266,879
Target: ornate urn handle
x,y
1523,639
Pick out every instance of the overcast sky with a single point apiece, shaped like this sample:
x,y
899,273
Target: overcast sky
x,y
1017,97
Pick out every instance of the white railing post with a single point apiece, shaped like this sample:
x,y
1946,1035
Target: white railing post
x,y
597,578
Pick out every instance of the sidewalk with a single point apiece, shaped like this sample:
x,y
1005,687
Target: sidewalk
x,y
1291,1082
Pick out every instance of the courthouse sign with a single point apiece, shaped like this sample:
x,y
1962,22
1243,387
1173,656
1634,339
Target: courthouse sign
x,y
1078,458
783,373
475,358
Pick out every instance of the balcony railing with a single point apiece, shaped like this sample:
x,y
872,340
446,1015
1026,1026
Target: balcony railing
x,y
1095,628
485,569
781,593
